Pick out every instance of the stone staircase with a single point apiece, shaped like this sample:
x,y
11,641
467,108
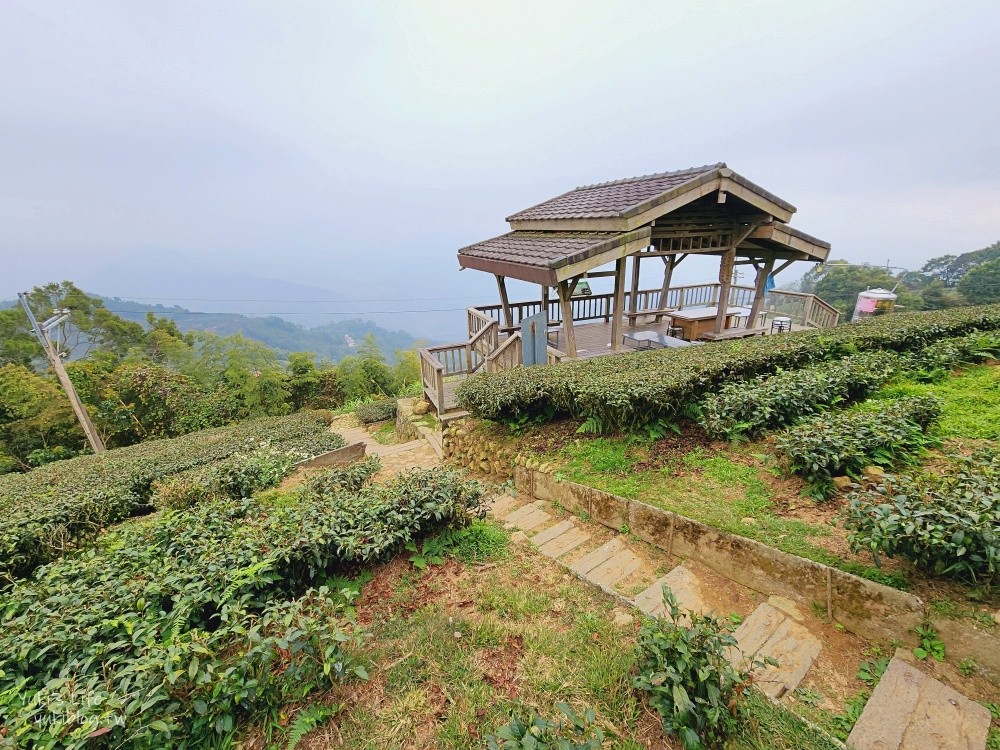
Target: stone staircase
x,y
908,710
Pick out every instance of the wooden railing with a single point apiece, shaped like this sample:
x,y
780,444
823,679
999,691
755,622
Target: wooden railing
x,y
804,309
601,306
511,352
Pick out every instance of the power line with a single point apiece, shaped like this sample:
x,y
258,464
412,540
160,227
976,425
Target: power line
x,y
126,298
296,312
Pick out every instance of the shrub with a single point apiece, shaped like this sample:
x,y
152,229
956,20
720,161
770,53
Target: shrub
x,y
747,409
830,445
632,390
238,476
690,681
168,632
61,505
937,360
376,411
568,732
350,478
947,522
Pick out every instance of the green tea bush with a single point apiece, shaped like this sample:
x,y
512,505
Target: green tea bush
x,y
937,360
571,731
746,409
683,665
632,390
61,505
945,521
238,476
376,411
830,445
167,633
349,478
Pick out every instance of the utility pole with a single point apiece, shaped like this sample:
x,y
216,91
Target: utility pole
x,y
42,334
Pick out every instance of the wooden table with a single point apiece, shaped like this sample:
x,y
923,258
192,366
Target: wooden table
x,y
695,322
654,340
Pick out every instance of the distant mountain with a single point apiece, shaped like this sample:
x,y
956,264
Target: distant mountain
x,y
332,341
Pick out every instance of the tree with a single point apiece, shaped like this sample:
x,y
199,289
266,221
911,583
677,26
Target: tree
x,y
366,374
37,422
303,378
981,284
91,325
952,268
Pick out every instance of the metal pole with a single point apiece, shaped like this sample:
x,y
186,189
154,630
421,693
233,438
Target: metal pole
x,y
96,444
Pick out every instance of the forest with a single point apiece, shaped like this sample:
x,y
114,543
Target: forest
x,y
147,381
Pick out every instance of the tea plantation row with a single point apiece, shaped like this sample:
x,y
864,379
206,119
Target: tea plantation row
x,y
632,390
171,630
63,504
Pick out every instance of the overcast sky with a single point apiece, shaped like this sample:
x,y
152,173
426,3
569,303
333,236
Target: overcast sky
x,y
354,146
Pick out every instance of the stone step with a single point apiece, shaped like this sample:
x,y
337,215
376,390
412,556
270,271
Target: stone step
x,y
502,506
551,533
685,586
770,632
618,568
528,517
565,542
523,510
911,711
598,557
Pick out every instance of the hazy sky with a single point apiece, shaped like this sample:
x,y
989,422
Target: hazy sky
x,y
354,146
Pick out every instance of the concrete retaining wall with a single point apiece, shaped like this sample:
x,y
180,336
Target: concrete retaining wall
x,y
869,609
338,457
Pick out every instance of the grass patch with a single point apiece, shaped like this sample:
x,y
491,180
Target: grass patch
x,y
970,402
385,434
449,670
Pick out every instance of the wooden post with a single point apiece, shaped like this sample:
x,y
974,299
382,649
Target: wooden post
x,y
566,304
545,299
807,312
633,301
619,306
758,295
670,263
508,319
726,265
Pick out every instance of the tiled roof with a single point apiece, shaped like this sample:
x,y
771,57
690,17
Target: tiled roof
x,y
540,249
612,199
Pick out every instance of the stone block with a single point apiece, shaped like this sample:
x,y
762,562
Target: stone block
x,y
608,509
911,711
576,498
650,524
874,611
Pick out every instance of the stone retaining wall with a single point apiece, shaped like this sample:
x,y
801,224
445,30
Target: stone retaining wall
x,y
869,609
470,448
405,429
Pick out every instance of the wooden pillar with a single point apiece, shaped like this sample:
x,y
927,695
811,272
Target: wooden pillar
x,y
760,292
633,302
508,319
545,299
566,304
619,306
726,265
758,295
670,263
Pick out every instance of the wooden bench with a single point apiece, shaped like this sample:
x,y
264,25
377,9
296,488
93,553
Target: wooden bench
x,y
733,333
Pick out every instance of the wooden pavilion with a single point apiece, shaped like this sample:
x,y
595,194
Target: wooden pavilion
x,y
708,210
